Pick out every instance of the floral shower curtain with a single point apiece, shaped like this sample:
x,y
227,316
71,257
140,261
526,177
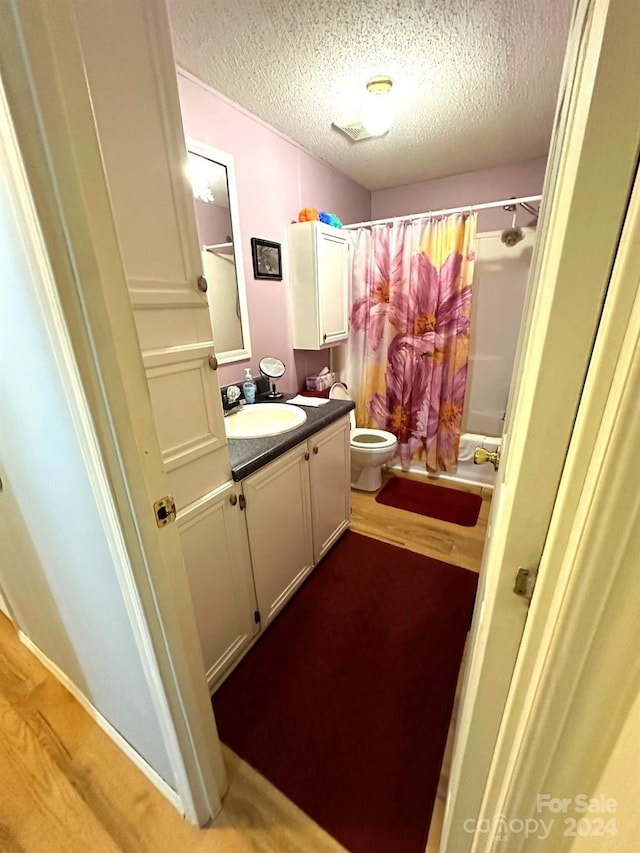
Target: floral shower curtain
x,y
409,344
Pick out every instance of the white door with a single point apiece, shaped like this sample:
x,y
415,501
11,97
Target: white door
x,y
71,68
279,523
146,167
585,200
333,284
330,485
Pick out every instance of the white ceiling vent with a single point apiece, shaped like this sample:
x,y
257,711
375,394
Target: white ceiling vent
x,y
353,129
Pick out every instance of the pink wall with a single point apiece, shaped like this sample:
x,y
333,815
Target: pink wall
x,y
519,179
275,179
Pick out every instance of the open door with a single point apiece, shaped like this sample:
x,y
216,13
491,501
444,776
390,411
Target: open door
x,y
589,177
62,176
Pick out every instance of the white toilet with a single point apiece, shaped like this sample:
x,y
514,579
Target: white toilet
x,y
370,448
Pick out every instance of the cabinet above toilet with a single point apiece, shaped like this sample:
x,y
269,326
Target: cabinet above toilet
x,y
319,274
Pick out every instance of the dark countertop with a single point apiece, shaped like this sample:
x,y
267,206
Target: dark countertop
x,y
250,454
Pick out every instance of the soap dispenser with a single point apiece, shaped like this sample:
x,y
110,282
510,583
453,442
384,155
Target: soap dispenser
x,y
249,387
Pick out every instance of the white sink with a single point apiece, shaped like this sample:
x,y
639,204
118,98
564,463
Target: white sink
x,y
263,419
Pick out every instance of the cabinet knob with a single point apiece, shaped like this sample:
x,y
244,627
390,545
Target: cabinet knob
x,y
202,284
324,337
306,457
213,362
233,500
315,450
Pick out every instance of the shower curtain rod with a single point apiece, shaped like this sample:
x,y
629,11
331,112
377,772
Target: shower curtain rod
x,y
465,209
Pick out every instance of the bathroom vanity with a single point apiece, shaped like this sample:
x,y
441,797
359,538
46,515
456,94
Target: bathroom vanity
x,y
295,509
288,502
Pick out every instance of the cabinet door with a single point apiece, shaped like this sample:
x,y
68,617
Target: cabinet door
x,y
330,486
279,522
216,553
333,285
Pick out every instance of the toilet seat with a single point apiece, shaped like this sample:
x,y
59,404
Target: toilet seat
x,y
369,449
372,439
360,437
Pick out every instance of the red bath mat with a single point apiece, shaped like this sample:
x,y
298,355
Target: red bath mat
x,y
344,703
434,501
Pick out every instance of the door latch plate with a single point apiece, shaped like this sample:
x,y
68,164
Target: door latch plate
x,y
165,510
525,582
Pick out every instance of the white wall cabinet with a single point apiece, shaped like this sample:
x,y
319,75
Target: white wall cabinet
x,y
296,508
319,276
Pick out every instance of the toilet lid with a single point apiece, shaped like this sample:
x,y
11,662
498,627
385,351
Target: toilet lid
x,y
338,391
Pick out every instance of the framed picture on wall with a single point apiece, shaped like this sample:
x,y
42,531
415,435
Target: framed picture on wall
x,y
267,259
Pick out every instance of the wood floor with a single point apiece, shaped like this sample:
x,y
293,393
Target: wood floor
x,y
461,546
64,785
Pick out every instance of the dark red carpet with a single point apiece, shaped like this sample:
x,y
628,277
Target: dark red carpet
x,y
344,703
435,501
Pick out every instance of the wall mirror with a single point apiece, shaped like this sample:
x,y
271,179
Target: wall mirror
x,y
215,199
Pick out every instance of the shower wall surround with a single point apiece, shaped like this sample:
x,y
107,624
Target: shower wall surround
x,y
499,292
275,179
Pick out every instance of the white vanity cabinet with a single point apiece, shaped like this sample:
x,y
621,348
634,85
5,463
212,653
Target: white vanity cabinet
x,y
278,512
319,275
296,508
216,552
330,474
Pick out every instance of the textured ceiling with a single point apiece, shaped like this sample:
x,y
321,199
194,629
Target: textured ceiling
x,y
475,81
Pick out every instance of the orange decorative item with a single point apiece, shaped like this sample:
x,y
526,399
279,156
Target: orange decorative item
x,y
307,214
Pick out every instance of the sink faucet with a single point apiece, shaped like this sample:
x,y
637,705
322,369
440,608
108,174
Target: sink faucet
x,y
233,409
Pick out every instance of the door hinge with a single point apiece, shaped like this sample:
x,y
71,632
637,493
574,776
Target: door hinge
x,y
242,501
525,582
165,510
256,617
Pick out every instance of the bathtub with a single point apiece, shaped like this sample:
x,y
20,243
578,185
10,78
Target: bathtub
x,y
468,471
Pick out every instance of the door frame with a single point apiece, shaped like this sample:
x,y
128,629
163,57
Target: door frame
x,y
563,714
590,173
62,207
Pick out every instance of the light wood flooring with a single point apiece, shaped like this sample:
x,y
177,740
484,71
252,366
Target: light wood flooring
x,y
64,785
461,546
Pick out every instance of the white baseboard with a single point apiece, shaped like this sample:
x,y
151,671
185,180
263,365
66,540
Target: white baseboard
x,y
165,789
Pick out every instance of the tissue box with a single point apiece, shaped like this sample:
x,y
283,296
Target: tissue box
x,y
321,382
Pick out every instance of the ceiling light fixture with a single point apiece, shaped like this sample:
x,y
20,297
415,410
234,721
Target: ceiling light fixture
x,y
377,110
201,178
